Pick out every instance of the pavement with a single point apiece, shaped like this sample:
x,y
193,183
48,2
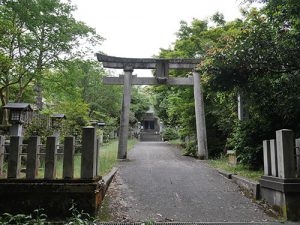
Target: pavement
x,y
156,183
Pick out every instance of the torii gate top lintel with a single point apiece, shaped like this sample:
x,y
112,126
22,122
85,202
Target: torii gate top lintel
x,y
145,63
162,67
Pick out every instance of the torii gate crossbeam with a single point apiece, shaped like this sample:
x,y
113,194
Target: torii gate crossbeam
x,y
162,67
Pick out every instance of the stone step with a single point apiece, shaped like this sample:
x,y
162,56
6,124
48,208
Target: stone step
x,y
148,136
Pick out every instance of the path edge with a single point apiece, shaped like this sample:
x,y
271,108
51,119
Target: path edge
x,y
108,178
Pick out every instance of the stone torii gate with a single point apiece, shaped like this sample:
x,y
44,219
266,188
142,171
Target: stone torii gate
x,y
162,67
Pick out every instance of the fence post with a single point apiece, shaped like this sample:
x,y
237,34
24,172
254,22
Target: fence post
x,y
98,157
274,163
267,157
2,151
68,163
89,153
50,159
14,162
285,153
33,150
298,156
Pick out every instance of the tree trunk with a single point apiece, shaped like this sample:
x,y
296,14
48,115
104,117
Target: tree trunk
x,y
4,101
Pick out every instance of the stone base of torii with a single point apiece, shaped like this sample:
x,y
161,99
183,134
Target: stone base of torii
x,y
162,67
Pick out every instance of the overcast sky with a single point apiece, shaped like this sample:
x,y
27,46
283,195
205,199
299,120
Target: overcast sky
x,y
139,28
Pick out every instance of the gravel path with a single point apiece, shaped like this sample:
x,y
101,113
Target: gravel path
x,y
157,183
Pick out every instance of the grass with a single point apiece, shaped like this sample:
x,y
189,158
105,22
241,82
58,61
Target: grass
x,y
175,142
108,155
239,169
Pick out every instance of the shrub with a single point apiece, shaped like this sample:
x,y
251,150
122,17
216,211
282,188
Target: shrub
x,y
191,149
246,140
170,134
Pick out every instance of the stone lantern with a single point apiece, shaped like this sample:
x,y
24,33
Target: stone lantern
x,y
101,124
56,120
56,124
18,115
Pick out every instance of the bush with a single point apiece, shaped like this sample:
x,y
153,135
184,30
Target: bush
x,y
170,134
246,140
191,149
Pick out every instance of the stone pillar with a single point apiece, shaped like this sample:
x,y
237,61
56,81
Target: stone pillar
x,y
200,117
161,127
32,164
89,153
16,130
68,163
2,151
285,153
50,158
298,156
98,156
14,162
240,107
274,164
267,158
124,122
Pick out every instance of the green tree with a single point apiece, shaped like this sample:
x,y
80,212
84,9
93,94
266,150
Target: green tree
x,y
77,90
261,60
36,35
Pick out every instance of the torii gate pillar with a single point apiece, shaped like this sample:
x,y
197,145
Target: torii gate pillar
x,y
124,121
200,117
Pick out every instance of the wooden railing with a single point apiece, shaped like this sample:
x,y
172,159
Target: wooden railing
x,y
14,153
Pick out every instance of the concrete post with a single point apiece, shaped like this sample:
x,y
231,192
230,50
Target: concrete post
x,y
68,163
32,164
89,153
298,156
50,159
285,153
98,156
200,117
242,111
14,162
274,163
124,122
2,151
267,157
16,130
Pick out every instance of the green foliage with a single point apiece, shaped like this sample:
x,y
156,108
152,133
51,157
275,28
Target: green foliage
x,y
79,217
38,126
148,222
76,90
140,103
37,218
170,133
190,149
36,36
245,141
239,169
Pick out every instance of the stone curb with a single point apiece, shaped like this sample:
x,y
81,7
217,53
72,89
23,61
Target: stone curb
x,y
108,178
226,174
252,186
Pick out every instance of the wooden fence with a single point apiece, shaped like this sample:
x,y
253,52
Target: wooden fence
x,y
12,154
